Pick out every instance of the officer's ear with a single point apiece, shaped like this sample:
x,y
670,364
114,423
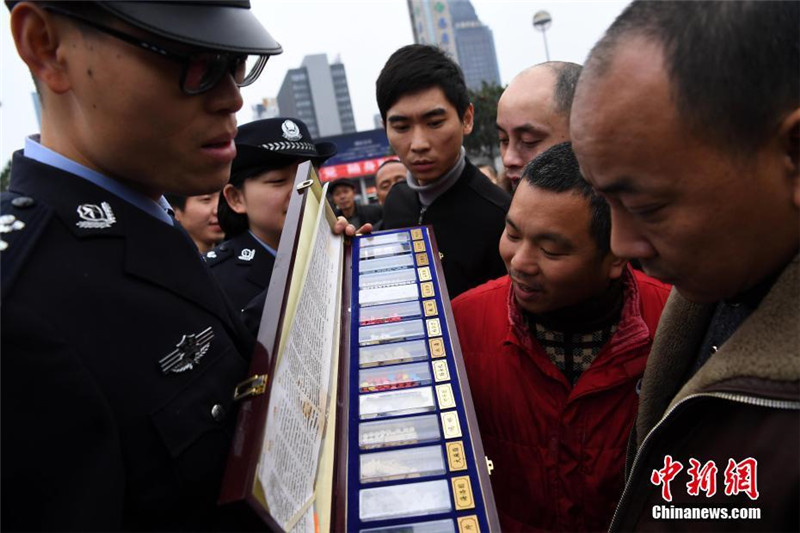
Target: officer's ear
x,y
790,144
235,198
39,39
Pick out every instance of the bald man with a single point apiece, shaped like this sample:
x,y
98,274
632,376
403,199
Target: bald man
x,y
533,113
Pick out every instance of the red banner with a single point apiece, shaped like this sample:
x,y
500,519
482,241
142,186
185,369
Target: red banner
x,y
356,169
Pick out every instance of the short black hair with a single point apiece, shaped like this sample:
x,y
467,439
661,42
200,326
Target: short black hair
x,y
567,75
231,222
734,66
176,201
557,170
418,67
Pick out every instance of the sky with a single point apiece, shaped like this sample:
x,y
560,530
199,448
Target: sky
x,y
362,34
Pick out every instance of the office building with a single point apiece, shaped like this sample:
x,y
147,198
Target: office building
x,y
317,93
454,26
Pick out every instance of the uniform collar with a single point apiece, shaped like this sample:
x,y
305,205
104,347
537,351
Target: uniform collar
x,y
38,152
266,246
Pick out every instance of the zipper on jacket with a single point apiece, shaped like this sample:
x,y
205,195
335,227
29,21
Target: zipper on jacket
x,y
421,214
733,397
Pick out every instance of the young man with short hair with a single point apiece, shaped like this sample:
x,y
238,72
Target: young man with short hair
x,y
426,111
693,136
555,351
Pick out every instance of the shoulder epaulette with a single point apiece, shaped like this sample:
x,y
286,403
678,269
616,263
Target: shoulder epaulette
x,y
22,221
219,254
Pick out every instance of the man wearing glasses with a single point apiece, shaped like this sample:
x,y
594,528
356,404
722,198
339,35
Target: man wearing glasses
x,y
120,354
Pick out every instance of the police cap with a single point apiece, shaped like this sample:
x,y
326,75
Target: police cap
x,y
224,25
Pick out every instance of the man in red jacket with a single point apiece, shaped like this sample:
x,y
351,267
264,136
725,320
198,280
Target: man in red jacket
x,y
555,352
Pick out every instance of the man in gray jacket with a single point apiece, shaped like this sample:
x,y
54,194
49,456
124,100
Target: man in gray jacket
x,y
687,119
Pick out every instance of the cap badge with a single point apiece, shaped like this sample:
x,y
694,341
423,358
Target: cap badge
x,y
9,223
247,254
291,131
188,352
95,216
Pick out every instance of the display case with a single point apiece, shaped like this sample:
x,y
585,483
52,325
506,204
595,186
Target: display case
x,y
357,415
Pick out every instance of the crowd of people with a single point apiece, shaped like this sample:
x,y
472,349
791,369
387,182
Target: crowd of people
x,y
628,307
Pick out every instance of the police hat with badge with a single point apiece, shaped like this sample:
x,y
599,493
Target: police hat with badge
x,y
265,145
277,139
243,264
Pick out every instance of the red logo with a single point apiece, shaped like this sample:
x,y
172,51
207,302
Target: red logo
x,y
665,476
739,477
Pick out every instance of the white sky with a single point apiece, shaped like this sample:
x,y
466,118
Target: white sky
x,y
363,33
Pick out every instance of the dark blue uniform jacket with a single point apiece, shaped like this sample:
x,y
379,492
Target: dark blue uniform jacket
x,y
120,355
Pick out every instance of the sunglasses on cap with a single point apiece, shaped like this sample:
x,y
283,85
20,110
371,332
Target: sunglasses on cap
x,y
200,70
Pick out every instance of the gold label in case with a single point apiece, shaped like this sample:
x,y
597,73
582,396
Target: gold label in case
x,y
444,393
434,327
427,289
416,234
450,425
468,524
440,370
429,306
462,492
437,347
422,259
456,459
419,246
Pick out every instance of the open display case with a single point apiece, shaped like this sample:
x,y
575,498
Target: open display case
x,y
357,415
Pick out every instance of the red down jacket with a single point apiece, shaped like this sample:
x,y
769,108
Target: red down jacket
x,y
558,451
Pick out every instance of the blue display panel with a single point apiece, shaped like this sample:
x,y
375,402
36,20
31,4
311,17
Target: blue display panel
x,y
412,465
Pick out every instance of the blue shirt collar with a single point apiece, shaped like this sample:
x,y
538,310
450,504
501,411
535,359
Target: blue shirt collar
x,y
160,210
266,246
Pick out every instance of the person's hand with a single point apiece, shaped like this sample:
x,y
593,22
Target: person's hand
x,y
349,230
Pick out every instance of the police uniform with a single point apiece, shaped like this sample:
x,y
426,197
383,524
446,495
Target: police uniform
x,y
243,267
120,353
120,357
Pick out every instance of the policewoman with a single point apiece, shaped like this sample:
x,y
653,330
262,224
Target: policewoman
x,y
120,352
252,206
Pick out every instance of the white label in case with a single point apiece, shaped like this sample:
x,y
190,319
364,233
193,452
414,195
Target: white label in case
x,y
450,425
444,393
440,370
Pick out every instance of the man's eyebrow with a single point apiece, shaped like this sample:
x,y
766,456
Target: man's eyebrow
x,y
511,223
435,112
529,128
524,128
623,185
555,238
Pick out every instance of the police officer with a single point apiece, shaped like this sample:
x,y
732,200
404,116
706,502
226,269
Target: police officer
x,y
120,352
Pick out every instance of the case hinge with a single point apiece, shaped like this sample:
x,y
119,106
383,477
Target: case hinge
x,y
252,386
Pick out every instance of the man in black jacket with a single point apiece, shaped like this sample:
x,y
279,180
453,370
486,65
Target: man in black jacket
x,y
426,111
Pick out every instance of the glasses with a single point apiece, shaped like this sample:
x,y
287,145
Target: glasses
x,y
201,70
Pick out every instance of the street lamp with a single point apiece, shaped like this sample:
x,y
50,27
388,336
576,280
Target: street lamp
x,y
542,21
